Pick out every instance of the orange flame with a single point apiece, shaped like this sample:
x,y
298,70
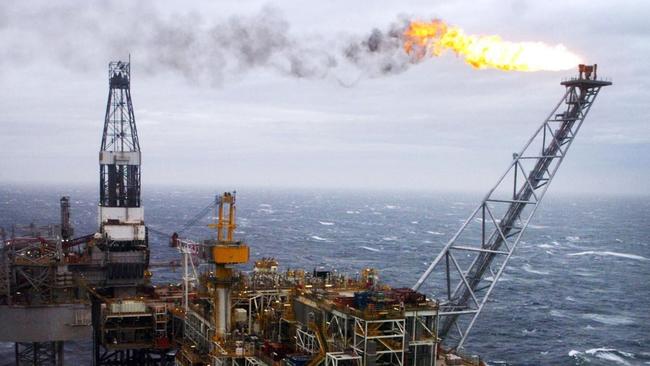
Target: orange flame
x,y
434,38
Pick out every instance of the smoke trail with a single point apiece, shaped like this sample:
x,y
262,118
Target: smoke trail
x,y
78,35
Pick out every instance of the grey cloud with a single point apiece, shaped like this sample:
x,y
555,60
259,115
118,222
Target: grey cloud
x,y
200,48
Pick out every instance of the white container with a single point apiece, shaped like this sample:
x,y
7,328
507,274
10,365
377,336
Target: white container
x,y
240,315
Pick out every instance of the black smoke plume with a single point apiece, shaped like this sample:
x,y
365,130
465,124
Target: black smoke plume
x,y
203,48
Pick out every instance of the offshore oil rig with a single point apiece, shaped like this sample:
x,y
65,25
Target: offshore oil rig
x,y
55,287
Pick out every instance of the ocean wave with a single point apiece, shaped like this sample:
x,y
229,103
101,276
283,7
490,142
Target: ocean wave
x,y
318,238
606,354
612,254
352,212
370,249
609,319
326,223
389,238
501,279
529,269
545,246
558,314
435,233
537,226
572,239
390,207
527,332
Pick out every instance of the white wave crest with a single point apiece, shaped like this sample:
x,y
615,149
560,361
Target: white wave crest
x,y
435,233
326,223
537,226
371,249
607,354
529,269
574,353
612,254
318,238
609,319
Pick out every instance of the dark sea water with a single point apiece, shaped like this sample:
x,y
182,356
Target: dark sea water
x,y
577,291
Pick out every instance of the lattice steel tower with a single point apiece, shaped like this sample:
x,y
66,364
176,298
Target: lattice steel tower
x,y
119,157
121,218
472,262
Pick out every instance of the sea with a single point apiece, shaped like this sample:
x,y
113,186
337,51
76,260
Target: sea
x,y
576,292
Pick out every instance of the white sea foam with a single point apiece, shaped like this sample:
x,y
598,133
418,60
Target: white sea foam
x,y
612,254
529,269
326,223
389,238
351,212
609,319
501,279
435,233
537,226
318,238
610,354
390,207
572,239
574,353
414,222
527,332
265,205
371,249
545,246
558,314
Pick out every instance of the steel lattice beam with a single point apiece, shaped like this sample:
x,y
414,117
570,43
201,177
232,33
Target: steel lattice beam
x,y
489,237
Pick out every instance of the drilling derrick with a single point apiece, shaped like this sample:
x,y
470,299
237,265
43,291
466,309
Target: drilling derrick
x,y
129,327
121,218
119,157
472,262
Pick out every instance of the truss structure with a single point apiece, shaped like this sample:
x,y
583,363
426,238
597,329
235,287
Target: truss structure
x,y
337,330
380,341
421,328
342,359
260,300
472,262
306,341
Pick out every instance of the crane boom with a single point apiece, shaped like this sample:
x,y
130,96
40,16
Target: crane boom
x,y
487,239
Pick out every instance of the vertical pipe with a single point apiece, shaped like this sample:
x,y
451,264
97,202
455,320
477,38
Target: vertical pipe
x,y
59,353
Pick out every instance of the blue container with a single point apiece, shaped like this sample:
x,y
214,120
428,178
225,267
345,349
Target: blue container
x,y
361,300
297,360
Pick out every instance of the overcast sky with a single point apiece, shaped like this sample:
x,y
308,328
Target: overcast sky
x,y
286,111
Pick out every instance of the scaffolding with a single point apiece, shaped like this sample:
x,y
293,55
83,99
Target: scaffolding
x,y
380,341
342,359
